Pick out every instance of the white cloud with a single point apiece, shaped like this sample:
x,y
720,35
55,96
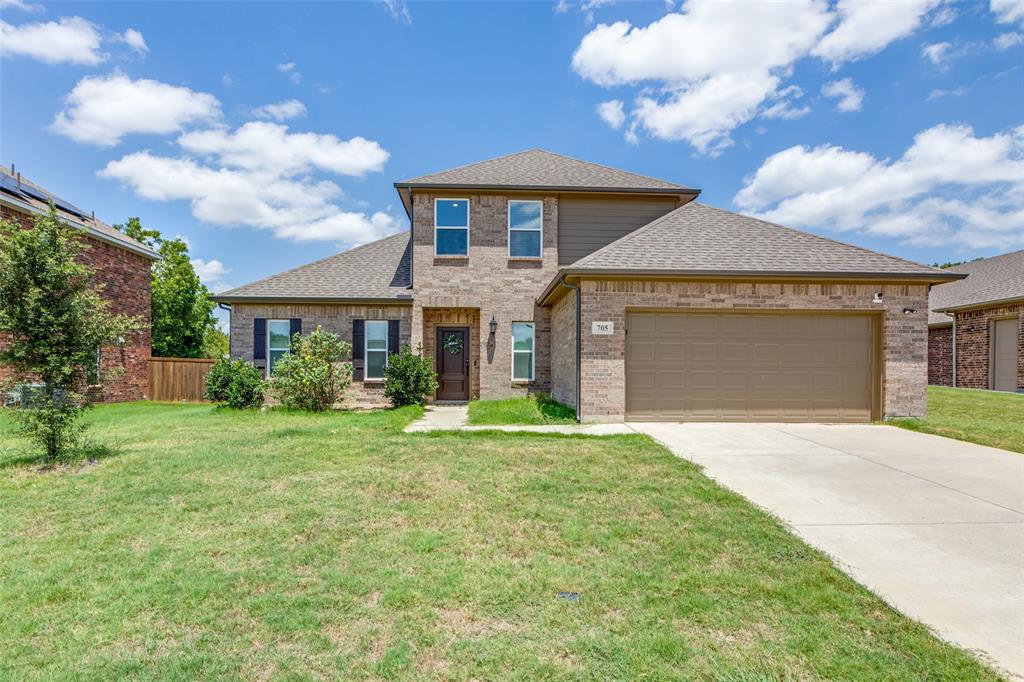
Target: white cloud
x,y
263,145
783,108
71,40
851,98
134,40
103,109
259,176
399,11
1004,41
211,273
703,91
943,16
866,27
281,111
937,93
288,69
936,53
21,4
611,113
1008,11
949,187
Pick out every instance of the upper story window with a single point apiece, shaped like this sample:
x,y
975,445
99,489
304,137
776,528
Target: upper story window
x,y
451,227
525,228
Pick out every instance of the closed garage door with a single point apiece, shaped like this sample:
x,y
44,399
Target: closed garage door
x,y
750,366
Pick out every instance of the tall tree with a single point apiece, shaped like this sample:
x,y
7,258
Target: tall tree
x,y
182,309
56,322
134,229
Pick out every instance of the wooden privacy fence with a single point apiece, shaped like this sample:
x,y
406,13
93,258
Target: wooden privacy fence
x,y
178,378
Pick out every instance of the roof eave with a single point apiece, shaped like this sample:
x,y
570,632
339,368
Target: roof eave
x,y
745,275
982,304
350,300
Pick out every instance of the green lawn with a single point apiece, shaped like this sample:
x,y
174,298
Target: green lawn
x,y
985,417
210,544
533,409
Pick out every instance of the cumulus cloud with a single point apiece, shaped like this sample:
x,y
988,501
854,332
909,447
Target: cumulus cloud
x,y
1004,41
281,111
71,40
102,109
611,113
288,69
211,273
949,187
783,106
1008,11
260,176
851,98
134,40
866,27
21,5
936,53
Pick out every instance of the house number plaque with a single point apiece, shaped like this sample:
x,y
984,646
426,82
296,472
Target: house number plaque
x,y
602,328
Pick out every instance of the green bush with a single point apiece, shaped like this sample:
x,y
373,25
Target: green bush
x,y
409,379
312,376
235,384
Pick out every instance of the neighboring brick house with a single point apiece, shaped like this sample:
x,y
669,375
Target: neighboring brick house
x,y
616,293
982,318
121,266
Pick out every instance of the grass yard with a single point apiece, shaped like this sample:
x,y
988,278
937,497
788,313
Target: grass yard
x,y
985,417
532,409
211,544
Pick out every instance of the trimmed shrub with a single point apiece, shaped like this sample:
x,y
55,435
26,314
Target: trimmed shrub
x,y
409,379
311,376
235,384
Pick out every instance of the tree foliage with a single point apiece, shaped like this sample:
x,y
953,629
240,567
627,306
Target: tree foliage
x,y
312,375
56,322
134,229
216,344
409,378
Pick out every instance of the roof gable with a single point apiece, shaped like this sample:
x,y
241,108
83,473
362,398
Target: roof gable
x,y
380,270
699,239
989,280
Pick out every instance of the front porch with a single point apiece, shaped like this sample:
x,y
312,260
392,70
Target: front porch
x,y
456,325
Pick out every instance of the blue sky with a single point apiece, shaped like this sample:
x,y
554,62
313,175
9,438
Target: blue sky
x,y
897,126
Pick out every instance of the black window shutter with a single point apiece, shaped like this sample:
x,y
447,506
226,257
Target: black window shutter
x,y
393,337
358,334
259,338
295,327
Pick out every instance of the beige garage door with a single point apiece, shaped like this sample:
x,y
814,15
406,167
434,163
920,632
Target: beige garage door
x,y
750,366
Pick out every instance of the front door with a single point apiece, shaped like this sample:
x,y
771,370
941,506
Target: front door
x,y
452,363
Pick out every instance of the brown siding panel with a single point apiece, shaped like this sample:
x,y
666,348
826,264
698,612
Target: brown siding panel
x,y
586,225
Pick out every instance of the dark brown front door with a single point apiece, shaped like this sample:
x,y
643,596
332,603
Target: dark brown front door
x,y
452,363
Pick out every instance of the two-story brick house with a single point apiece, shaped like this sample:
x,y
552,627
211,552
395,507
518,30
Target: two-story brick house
x,y
121,268
615,292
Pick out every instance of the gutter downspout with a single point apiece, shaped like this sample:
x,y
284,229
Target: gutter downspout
x,y
579,344
953,315
227,307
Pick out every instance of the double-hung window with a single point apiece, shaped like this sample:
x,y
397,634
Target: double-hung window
x,y
525,221
451,227
278,341
376,349
522,351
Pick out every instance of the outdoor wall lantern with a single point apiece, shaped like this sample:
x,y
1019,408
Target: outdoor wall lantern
x,y
877,298
494,326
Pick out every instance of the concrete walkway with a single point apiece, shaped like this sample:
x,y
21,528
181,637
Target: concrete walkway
x,y
453,417
934,526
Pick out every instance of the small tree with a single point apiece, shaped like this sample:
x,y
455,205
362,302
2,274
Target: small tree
x,y
56,322
312,376
409,378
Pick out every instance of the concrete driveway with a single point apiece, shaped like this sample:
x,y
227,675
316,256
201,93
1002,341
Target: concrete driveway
x,y
935,526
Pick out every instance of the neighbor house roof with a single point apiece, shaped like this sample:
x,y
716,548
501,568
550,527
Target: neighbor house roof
x,y
25,195
696,240
376,271
537,169
990,281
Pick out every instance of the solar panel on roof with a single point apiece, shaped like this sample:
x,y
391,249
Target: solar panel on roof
x,y
58,202
8,183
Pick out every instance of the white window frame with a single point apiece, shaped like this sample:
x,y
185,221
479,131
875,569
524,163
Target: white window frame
x,y
367,350
447,227
510,229
532,352
269,348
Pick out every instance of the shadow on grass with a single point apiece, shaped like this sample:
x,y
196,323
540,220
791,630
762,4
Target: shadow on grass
x,y
89,453
554,410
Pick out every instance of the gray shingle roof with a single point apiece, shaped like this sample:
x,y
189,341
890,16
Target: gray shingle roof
x,y
700,239
25,195
988,280
378,270
536,168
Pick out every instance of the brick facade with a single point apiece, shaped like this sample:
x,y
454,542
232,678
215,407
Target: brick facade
x,y
123,278
904,336
940,356
335,318
973,343
563,350
489,283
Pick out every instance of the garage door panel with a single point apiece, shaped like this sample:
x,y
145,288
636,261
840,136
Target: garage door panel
x,y
750,366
